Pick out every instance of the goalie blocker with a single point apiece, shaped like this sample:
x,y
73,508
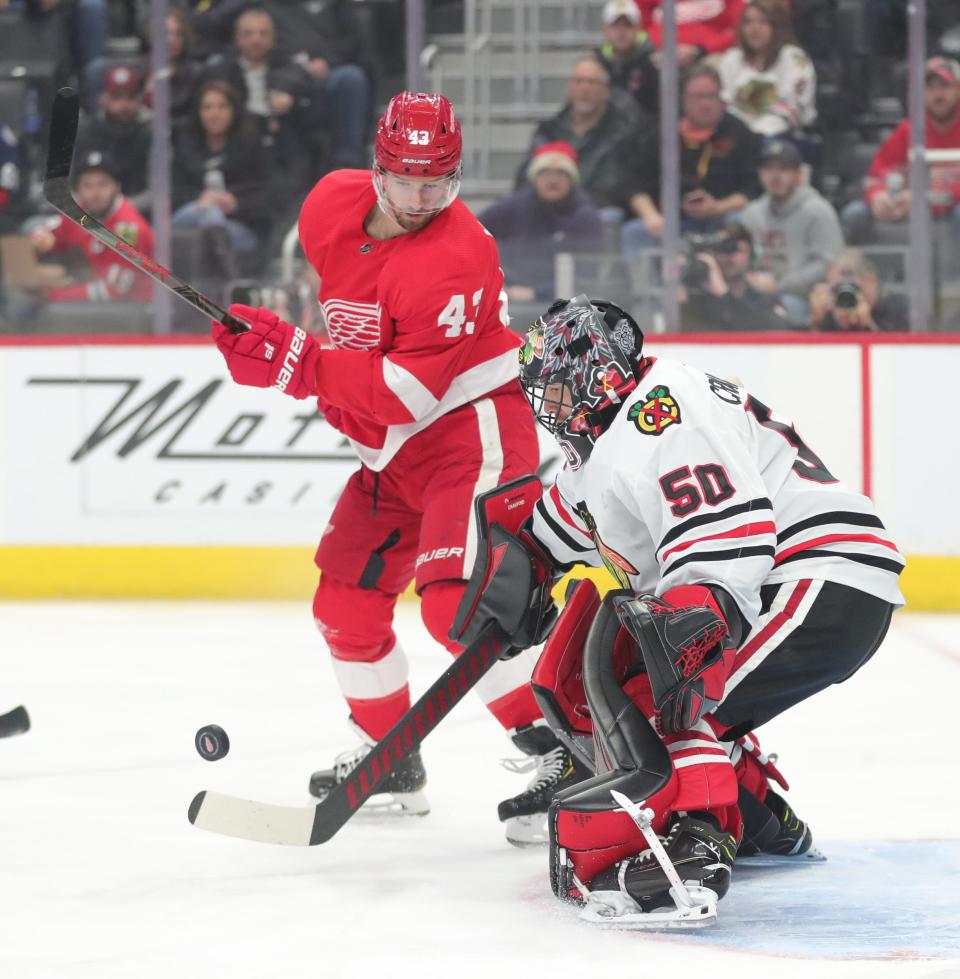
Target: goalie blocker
x,y
511,579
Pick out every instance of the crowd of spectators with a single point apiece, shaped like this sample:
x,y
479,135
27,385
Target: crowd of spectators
x,y
267,95
764,226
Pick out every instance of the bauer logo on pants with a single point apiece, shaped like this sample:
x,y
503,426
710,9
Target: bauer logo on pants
x,y
438,554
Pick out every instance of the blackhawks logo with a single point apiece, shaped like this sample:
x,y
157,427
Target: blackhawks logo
x,y
618,566
128,231
532,346
657,411
606,382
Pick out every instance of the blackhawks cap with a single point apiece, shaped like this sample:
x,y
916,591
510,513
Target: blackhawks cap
x,y
95,160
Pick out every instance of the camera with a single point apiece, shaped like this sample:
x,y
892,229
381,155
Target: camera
x,y
846,293
696,272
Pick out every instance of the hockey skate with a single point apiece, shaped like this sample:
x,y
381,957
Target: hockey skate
x,y
676,883
554,768
772,828
402,791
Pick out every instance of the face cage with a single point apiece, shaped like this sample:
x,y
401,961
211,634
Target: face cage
x,y
392,210
536,392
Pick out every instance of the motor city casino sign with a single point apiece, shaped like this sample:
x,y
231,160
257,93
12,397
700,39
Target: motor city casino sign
x,y
152,444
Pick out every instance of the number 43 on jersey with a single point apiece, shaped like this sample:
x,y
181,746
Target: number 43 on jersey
x,y
455,314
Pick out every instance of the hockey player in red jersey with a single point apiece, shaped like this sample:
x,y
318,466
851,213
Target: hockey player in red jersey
x,y
421,377
111,278
750,579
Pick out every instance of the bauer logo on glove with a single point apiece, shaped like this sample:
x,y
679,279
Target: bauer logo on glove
x,y
272,354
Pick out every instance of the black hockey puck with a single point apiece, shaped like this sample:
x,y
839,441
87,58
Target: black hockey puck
x,y
212,742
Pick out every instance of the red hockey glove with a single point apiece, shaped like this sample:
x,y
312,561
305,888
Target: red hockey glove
x,y
271,354
687,650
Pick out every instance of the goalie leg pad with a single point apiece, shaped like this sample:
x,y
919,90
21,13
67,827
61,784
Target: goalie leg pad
x,y
558,676
589,832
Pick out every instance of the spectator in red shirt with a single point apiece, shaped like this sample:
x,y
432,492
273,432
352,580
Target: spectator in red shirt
x,y
887,193
703,27
98,192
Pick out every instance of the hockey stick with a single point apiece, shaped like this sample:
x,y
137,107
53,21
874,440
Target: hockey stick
x,y
64,121
16,721
311,825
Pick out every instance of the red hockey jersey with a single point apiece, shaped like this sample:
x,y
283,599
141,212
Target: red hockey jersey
x,y
418,324
892,158
112,277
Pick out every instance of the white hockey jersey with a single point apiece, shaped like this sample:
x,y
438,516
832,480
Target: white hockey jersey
x,y
774,100
696,482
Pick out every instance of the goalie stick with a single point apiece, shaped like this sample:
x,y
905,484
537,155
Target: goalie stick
x,y
16,721
64,121
311,825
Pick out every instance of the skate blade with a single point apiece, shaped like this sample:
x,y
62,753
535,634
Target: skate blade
x,y
389,804
614,909
813,855
526,831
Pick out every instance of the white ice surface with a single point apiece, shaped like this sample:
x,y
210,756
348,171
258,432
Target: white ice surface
x,y
101,875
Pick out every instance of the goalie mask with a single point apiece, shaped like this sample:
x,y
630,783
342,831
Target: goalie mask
x,y
577,365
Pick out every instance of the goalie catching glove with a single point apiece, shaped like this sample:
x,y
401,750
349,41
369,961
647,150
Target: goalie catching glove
x,y
271,353
687,650
511,579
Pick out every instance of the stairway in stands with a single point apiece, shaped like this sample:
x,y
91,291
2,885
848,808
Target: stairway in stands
x,y
505,72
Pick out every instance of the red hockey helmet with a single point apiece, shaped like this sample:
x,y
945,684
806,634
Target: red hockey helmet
x,y
419,135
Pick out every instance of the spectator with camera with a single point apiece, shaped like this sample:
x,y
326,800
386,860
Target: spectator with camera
x,y
718,168
797,229
597,127
532,225
887,194
850,299
627,52
719,285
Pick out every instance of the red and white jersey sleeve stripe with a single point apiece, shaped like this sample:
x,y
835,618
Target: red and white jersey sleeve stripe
x,y
562,533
